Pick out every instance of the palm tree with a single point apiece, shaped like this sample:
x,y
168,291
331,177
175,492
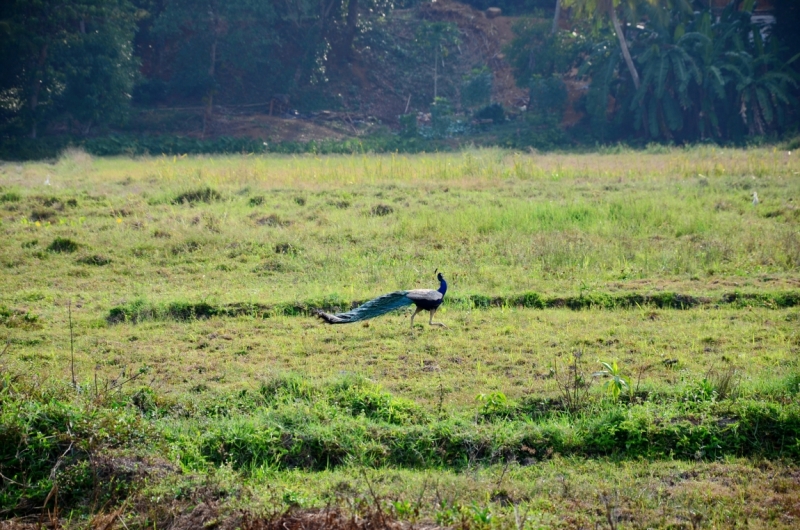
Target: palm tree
x,y
668,72
599,9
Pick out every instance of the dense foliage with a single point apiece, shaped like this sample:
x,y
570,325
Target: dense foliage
x,y
671,71
71,58
64,446
696,76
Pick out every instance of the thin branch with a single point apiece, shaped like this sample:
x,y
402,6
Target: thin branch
x,y
13,481
71,344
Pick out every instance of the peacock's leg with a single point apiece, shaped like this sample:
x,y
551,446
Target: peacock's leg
x,y
432,323
415,314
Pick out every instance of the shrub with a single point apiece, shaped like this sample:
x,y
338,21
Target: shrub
x,y
95,259
408,125
381,209
476,89
548,98
206,195
285,248
441,117
63,245
492,112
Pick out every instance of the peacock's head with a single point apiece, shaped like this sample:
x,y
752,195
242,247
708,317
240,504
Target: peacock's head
x,y
438,275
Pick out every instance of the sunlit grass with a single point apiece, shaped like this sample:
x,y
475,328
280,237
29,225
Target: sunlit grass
x,y
82,236
495,222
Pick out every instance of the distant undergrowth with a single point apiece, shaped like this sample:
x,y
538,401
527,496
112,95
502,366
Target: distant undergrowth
x,y
141,310
124,145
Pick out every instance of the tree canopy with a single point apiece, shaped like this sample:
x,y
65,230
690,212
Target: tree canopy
x,y
667,70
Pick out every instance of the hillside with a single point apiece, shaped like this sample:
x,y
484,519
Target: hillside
x,y
390,71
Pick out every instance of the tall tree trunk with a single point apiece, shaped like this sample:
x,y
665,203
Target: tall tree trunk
x,y
342,51
556,17
624,45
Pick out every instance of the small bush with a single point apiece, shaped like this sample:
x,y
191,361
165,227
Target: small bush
x,y
359,396
94,259
10,196
492,112
532,300
408,125
441,116
206,195
285,248
258,200
495,405
63,245
272,220
13,318
141,310
189,311
186,247
476,89
288,387
381,210
41,215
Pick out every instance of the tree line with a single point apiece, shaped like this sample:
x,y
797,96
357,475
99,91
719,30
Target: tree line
x,y
86,60
670,70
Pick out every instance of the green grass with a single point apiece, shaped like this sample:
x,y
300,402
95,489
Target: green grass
x,y
180,290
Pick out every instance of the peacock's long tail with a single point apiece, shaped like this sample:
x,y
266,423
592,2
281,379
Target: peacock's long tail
x,y
373,308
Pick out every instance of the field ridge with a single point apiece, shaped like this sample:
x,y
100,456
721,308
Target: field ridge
x,y
141,310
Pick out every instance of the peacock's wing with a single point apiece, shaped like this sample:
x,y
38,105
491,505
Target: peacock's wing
x,y
373,308
424,295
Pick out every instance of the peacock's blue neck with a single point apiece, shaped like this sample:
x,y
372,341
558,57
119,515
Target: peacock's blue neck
x,y
442,285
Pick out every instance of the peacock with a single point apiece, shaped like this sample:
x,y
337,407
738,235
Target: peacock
x,y
424,299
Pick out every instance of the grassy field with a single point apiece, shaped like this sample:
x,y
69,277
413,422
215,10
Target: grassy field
x,y
179,292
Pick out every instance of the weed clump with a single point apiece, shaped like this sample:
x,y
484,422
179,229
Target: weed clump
x,y
359,396
207,195
272,220
41,215
14,318
381,210
530,299
258,200
186,247
95,259
289,387
10,196
141,310
286,248
63,245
